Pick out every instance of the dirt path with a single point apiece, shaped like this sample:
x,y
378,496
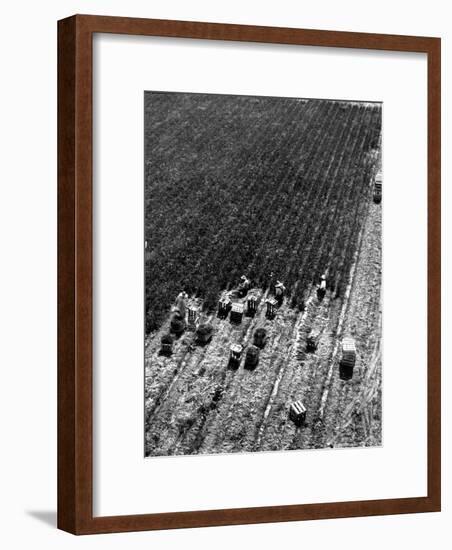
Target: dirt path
x,y
354,409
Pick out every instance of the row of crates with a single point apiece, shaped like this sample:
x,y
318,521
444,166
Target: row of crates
x,y
297,411
203,335
251,356
236,310
348,352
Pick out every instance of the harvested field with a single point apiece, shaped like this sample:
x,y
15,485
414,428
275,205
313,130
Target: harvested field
x,y
273,189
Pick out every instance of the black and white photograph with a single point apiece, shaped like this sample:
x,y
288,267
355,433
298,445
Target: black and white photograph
x,y
263,260
220,327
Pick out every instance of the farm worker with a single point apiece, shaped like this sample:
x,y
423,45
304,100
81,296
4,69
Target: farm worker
x,y
245,284
245,280
180,303
280,288
181,297
271,283
323,282
279,291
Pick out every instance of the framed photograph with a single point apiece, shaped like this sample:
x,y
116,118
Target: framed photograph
x,y
249,274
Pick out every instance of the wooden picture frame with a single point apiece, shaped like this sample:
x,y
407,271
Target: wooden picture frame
x,y
75,278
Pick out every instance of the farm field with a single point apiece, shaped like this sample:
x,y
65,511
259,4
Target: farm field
x,y
273,189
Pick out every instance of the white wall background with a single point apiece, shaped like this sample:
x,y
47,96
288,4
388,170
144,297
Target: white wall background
x,y
28,272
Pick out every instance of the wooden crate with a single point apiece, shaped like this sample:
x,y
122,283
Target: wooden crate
x,y
271,307
251,306
297,413
237,312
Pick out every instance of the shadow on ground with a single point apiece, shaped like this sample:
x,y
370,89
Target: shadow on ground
x,y
49,517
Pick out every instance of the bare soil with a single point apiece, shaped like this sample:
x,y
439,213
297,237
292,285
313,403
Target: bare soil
x,y
196,404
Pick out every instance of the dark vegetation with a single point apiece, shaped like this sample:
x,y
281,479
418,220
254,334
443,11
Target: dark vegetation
x,y
242,185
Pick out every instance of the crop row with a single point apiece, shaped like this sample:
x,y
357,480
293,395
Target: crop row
x,y
243,185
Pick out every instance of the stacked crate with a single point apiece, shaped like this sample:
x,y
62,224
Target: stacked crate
x,y
348,359
378,188
271,307
237,312
193,316
235,355
252,357
224,305
260,337
297,413
251,305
